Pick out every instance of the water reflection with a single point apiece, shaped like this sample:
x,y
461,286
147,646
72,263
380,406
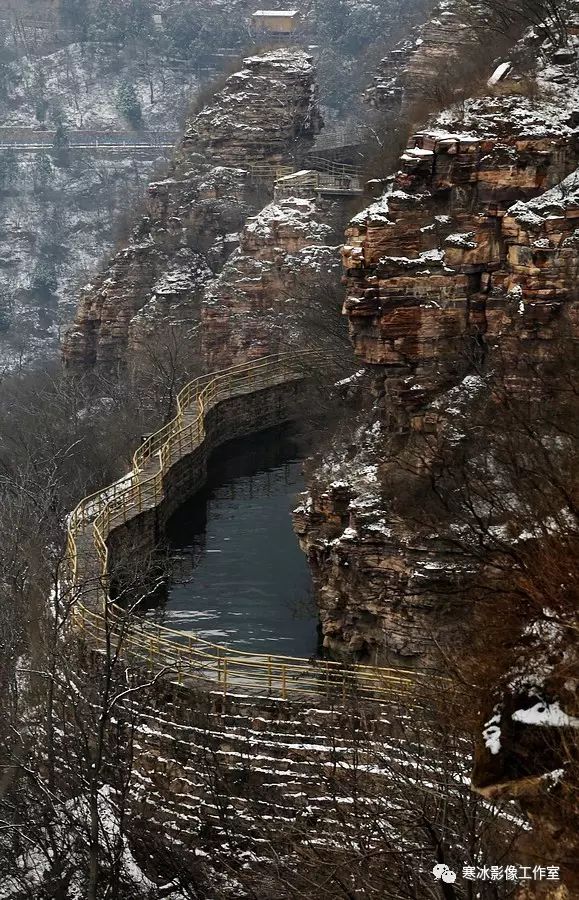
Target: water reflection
x,y
237,573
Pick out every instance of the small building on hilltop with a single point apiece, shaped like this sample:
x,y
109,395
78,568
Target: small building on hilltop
x,y
275,21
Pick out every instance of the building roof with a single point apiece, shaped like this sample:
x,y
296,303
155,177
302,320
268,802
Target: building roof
x,y
283,13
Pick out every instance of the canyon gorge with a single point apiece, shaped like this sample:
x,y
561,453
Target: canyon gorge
x,y
432,276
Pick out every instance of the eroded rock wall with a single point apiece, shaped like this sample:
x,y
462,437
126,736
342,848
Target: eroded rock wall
x,y
267,113
471,251
270,293
263,115
466,265
436,264
410,71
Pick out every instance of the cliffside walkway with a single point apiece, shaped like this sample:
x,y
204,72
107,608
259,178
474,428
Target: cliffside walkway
x,y
33,140
324,178
310,183
184,658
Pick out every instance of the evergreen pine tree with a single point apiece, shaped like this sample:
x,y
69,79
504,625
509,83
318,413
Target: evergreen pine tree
x,y
8,168
61,145
128,104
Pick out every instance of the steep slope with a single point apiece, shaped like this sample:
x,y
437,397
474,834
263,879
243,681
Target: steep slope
x,y
61,212
472,247
56,222
264,116
447,519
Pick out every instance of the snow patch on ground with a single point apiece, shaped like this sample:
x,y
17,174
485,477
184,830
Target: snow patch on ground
x,y
80,81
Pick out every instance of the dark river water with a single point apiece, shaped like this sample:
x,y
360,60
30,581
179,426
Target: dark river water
x,y
238,576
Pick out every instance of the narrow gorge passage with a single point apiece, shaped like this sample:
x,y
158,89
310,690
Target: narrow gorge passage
x,y
237,575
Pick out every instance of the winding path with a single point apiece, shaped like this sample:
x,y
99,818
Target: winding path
x,y
187,659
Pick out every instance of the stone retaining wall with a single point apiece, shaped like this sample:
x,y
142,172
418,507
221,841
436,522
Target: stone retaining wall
x,y
132,545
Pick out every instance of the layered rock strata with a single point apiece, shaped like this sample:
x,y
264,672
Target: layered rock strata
x,y
262,116
410,72
466,266
443,259
267,113
276,287
472,249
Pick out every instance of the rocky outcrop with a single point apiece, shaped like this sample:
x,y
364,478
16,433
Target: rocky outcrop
x,y
466,265
192,217
471,249
435,265
271,290
385,578
267,113
173,252
415,68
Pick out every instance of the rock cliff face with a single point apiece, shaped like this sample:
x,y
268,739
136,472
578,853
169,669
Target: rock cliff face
x,y
450,254
262,116
410,71
472,249
466,265
267,113
271,290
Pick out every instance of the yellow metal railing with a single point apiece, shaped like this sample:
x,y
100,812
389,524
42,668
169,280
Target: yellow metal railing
x,y
311,180
189,660
186,658
268,172
143,486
